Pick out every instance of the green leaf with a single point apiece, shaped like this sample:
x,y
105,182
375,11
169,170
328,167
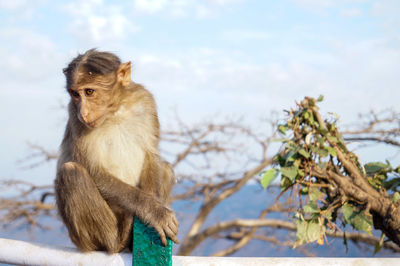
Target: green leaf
x,y
292,146
268,177
395,197
345,241
397,170
320,98
341,144
372,168
323,131
311,119
300,173
332,139
392,183
307,231
301,233
290,156
311,207
357,219
285,182
315,194
376,180
290,172
297,162
281,160
347,211
323,153
379,245
304,153
313,230
283,128
280,140
321,141
331,151
320,152
304,191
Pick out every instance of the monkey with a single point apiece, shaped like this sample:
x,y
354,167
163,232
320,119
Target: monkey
x,y
109,168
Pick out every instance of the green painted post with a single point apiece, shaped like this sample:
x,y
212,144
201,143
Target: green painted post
x,y
147,246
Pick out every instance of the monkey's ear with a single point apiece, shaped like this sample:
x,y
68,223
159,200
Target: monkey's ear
x,y
65,71
124,73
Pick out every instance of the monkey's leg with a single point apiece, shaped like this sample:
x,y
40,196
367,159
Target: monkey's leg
x,y
91,223
125,226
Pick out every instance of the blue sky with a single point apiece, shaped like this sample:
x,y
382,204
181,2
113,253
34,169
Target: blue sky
x,y
241,57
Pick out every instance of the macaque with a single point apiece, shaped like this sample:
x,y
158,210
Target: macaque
x,y
109,169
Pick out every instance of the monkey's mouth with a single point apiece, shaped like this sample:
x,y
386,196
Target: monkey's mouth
x,y
91,124
95,123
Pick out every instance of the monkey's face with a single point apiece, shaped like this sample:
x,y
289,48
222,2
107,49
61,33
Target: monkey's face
x,y
96,96
93,99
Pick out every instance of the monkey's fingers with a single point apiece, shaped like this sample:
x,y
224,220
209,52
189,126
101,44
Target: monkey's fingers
x,y
160,231
175,221
171,234
173,228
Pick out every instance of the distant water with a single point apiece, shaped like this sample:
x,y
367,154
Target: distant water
x,y
247,203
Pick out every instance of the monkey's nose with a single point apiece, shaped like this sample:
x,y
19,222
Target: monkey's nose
x,y
83,118
85,115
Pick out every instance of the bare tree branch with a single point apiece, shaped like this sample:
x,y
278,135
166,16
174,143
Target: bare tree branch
x,y
213,161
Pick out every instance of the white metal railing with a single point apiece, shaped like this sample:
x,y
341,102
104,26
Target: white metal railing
x,y
25,253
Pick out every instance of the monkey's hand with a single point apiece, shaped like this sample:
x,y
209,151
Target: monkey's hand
x,y
137,202
164,222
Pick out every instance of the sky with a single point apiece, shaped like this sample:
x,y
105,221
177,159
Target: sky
x,y
198,58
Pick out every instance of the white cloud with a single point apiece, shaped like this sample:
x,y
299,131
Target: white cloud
x,y
245,35
21,10
354,77
319,6
12,5
94,22
351,12
389,11
26,56
149,6
224,2
315,5
182,8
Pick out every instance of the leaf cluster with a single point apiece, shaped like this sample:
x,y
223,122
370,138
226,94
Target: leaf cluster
x,y
311,148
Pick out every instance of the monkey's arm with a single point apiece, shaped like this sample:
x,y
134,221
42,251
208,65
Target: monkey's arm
x,y
137,202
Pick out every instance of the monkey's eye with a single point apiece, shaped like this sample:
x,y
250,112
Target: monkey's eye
x,y
74,94
89,92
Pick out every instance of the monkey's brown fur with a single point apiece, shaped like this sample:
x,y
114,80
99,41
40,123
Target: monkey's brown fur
x,y
109,168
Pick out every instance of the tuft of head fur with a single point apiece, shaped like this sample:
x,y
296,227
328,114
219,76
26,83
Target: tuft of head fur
x,y
91,62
